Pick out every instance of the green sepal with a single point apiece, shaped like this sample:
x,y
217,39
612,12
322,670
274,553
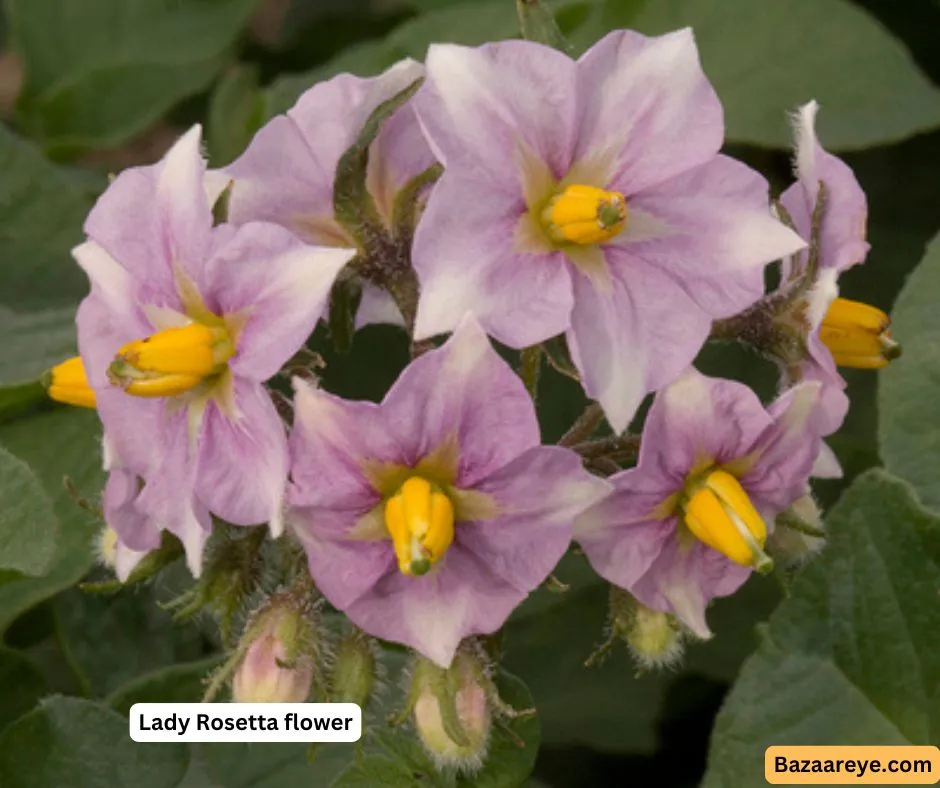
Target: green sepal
x,y
344,304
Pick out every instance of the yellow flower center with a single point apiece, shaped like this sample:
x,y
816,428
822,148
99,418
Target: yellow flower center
x,y
171,361
68,384
857,335
420,520
584,215
720,514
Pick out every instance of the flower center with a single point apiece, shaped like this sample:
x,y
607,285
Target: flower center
x,y
171,361
720,514
857,335
68,383
420,520
584,215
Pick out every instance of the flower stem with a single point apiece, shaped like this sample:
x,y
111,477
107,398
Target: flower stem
x,y
584,427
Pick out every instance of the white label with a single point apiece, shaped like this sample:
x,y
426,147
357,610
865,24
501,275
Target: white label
x,y
245,722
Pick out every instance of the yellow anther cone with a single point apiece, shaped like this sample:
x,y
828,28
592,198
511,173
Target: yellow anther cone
x,y
858,335
585,215
420,520
69,384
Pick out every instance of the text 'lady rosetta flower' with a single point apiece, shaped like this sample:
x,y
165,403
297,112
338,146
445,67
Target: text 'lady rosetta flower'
x,y
588,197
183,324
430,516
689,522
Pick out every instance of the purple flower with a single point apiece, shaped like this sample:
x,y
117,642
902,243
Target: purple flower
x,y
183,324
286,175
689,521
589,197
430,516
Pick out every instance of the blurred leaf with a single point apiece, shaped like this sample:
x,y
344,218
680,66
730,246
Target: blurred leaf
x,y
42,208
853,656
99,73
765,59
59,443
274,765
907,397
33,342
236,111
80,744
28,525
183,683
21,686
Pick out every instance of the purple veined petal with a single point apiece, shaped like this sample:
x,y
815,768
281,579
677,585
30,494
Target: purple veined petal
x,y
433,613
633,335
468,260
131,426
647,102
717,234
157,217
539,495
377,307
698,419
787,449
135,530
480,104
343,569
685,578
278,285
624,533
463,391
330,443
241,471
843,230
102,331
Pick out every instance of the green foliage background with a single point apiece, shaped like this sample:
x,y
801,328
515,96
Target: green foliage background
x,y
851,653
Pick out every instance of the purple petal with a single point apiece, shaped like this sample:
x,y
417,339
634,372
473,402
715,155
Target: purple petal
x,y
131,427
647,103
279,285
330,441
633,334
716,234
241,470
119,502
126,560
539,494
467,260
462,390
377,307
479,106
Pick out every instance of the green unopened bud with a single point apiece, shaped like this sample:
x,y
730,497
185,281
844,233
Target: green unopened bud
x,y
354,667
279,656
799,533
452,712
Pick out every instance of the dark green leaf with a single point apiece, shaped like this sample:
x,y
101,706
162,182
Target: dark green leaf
x,y
28,525
183,683
21,686
80,744
33,342
237,110
852,657
98,73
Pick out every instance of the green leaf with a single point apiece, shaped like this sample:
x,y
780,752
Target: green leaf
x,y
375,770
183,683
80,744
99,72
853,656
237,110
33,342
42,208
28,525
21,686
59,443
908,406
765,59
537,23
275,765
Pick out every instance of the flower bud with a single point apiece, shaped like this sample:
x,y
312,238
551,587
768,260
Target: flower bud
x,y
452,712
278,663
354,669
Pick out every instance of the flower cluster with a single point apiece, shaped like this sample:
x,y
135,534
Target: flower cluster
x,y
504,191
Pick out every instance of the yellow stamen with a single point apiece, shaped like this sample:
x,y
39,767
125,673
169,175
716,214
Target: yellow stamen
x,y
69,384
720,514
420,520
585,215
857,335
171,361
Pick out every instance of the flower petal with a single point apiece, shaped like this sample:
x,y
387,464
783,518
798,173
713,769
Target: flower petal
x,y
467,260
278,285
539,495
377,307
241,471
633,336
647,103
463,391
134,529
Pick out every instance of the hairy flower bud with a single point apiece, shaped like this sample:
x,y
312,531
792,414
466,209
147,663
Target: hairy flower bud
x,y
278,663
354,669
452,712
